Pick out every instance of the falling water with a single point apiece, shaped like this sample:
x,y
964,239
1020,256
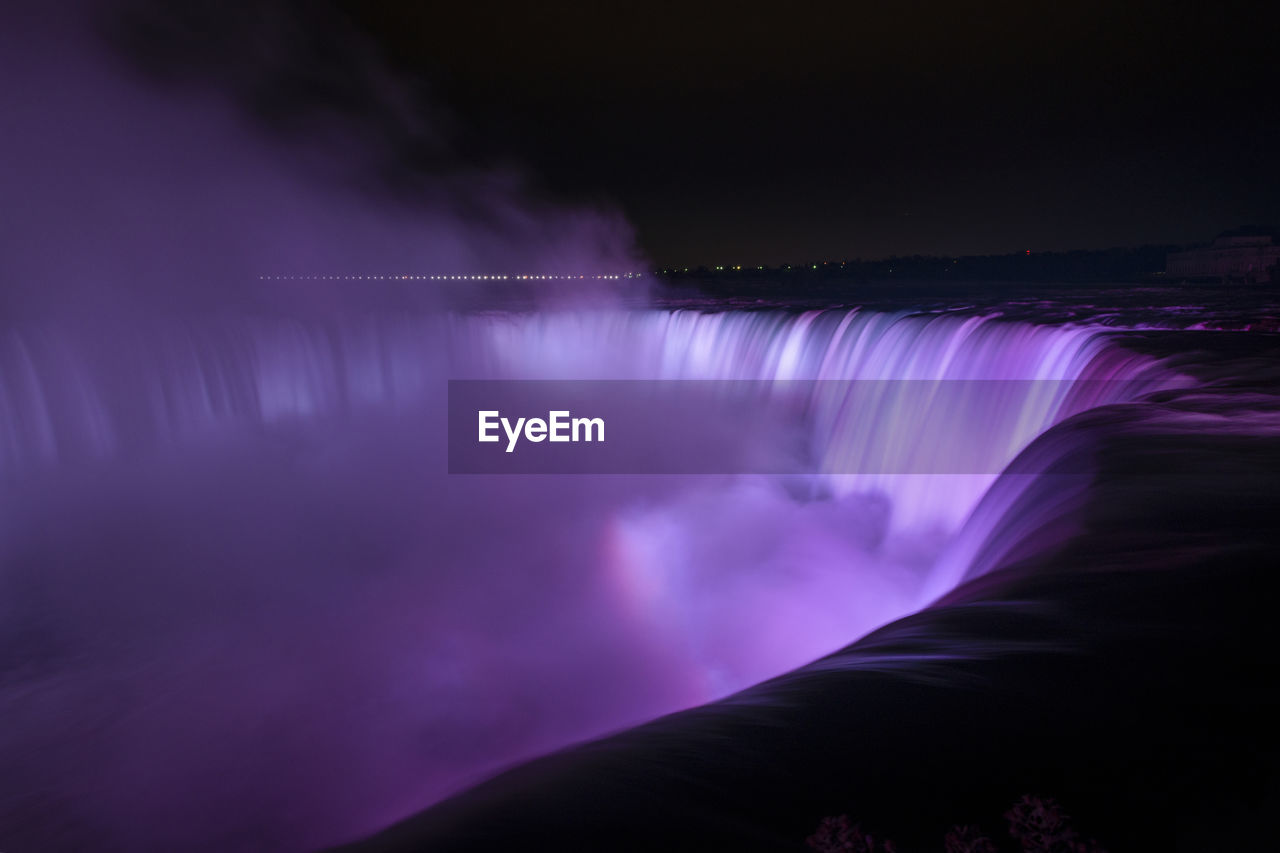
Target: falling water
x,y
192,511
61,399
242,605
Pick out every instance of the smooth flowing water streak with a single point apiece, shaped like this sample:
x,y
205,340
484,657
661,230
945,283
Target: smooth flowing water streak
x,y
242,606
188,376
232,543
1040,363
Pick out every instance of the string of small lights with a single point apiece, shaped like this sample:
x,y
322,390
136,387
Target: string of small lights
x,y
452,277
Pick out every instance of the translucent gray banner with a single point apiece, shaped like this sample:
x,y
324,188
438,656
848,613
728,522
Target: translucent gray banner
x,y
954,426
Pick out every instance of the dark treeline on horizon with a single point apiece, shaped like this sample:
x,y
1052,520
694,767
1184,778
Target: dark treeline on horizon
x,y
1140,263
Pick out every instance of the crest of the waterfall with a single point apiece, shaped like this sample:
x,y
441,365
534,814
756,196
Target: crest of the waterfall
x,y
252,516
239,589
900,401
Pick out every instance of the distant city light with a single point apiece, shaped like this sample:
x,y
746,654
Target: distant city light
x,y
458,277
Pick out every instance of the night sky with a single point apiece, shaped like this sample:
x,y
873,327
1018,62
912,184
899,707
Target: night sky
x,y
769,133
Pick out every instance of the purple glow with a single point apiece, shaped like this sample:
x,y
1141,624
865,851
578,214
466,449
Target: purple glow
x,y
244,604
321,570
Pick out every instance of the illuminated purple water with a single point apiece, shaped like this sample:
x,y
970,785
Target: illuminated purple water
x,y
242,607
233,545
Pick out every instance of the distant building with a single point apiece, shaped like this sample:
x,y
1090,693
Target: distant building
x,y
1243,254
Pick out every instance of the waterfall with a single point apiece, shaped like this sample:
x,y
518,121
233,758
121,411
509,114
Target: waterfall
x,y
70,396
1006,383
252,515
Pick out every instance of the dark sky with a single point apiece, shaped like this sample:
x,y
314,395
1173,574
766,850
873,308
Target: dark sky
x,y
767,133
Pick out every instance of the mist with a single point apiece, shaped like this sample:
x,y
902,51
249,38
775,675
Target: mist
x,y
242,604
